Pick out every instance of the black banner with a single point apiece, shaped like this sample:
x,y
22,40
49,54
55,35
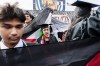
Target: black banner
x,y
75,53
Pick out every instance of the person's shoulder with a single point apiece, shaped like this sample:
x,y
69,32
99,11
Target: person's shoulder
x,y
52,36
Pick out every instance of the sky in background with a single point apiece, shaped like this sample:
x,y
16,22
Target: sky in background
x,y
28,4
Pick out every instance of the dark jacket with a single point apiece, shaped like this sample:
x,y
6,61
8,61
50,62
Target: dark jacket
x,y
86,28
52,40
16,56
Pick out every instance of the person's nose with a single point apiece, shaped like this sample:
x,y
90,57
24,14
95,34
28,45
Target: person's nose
x,y
14,32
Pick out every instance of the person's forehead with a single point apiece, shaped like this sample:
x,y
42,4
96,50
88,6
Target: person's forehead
x,y
27,15
12,22
45,28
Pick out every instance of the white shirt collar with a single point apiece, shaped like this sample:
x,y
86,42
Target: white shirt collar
x,y
20,44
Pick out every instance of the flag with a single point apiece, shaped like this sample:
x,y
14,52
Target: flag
x,y
31,32
33,37
95,61
75,53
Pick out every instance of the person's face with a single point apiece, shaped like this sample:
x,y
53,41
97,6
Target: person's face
x,y
11,31
46,32
28,19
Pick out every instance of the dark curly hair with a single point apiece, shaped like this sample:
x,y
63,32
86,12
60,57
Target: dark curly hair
x,y
9,12
46,26
28,13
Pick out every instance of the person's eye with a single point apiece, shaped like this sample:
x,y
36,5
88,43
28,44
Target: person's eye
x,y
6,26
19,26
45,30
